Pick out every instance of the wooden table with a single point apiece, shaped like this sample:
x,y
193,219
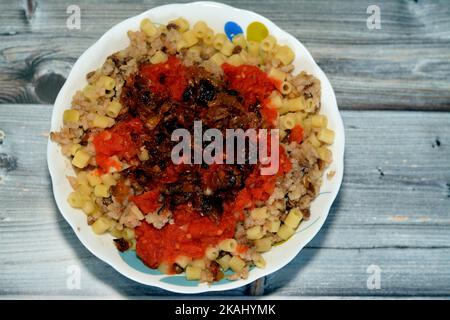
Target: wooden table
x,y
392,214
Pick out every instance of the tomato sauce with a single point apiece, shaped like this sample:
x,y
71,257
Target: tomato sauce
x,y
147,201
254,86
296,134
269,113
251,82
259,187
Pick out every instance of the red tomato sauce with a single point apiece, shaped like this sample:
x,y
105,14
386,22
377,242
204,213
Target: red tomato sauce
x,y
251,82
190,235
118,141
269,113
259,187
296,134
254,86
147,201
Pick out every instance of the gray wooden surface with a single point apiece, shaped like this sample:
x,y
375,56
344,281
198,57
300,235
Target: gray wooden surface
x,y
393,210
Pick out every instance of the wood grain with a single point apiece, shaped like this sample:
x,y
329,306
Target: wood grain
x,y
392,211
404,65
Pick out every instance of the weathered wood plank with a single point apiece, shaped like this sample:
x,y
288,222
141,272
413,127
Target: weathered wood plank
x,y
404,65
392,211
403,272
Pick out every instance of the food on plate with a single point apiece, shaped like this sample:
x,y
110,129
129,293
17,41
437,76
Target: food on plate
x,y
209,220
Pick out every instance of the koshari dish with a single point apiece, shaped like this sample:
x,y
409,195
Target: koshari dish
x,y
195,218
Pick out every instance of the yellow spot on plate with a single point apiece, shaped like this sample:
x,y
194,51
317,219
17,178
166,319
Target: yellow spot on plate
x,y
256,31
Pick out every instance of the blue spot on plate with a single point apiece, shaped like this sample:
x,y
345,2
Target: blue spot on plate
x,y
179,281
133,261
232,29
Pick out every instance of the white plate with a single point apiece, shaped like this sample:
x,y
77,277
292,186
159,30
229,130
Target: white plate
x,y
115,39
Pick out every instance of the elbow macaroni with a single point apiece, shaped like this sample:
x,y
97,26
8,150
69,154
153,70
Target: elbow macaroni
x,y
285,232
268,43
182,24
285,55
200,29
285,88
239,40
148,28
255,233
236,264
293,218
228,245
253,48
189,38
227,48
193,273
113,109
218,41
